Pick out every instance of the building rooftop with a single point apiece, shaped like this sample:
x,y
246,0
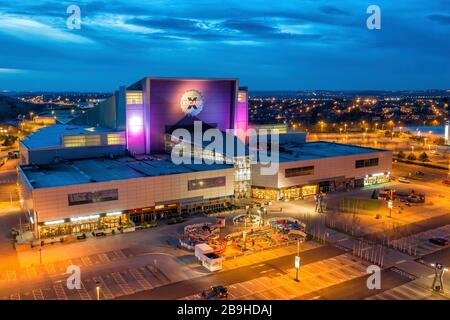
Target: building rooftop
x,y
105,169
293,151
50,137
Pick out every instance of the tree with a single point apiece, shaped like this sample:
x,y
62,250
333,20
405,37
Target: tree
x,y
424,157
412,157
9,141
401,155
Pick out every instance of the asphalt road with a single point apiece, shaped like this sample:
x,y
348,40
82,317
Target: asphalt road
x,y
442,256
269,268
356,289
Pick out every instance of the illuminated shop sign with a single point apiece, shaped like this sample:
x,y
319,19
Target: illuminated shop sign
x,y
192,102
48,223
82,218
93,197
111,214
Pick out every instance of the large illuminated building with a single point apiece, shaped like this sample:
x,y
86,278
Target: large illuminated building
x,y
111,166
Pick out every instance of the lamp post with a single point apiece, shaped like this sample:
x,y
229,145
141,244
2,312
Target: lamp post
x,y
97,289
438,277
297,267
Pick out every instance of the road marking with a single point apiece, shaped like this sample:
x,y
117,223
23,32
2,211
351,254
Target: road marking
x,y
15,296
83,293
400,261
140,279
122,283
37,294
103,257
60,293
268,270
104,289
11,274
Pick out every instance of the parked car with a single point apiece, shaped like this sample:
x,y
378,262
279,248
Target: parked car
x,y
13,154
404,180
176,220
215,292
439,241
419,173
446,181
81,236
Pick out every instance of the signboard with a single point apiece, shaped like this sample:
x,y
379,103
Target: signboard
x,y
297,262
390,204
92,197
191,102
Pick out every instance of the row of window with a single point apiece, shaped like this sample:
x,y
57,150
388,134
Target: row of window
x,y
92,140
299,171
134,97
82,140
366,163
93,197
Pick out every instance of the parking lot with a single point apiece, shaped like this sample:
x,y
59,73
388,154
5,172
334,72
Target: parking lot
x,y
111,285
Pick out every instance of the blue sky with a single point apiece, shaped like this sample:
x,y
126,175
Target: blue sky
x,y
270,45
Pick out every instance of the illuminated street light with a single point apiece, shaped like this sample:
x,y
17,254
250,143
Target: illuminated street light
x,y
97,289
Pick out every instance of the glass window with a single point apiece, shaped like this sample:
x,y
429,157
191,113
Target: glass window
x,y
134,97
366,163
242,96
115,138
81,140
199,184
93,197
300,171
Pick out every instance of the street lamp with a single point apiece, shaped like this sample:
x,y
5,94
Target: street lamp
x,y
439,271
97,289
244,238
297,267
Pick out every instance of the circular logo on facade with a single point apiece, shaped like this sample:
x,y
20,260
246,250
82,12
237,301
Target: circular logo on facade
x,y
192,102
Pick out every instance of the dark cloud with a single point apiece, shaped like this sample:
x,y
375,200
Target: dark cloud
x,y
333,10
286,38
441,18
167,23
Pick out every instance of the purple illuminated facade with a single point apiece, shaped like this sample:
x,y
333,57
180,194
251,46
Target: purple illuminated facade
x,y
155,104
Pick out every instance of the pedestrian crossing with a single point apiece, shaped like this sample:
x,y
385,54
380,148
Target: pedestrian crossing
x,y
408,291
111,285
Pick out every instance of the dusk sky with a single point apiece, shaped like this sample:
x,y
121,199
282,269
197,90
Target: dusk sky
x,y
269,45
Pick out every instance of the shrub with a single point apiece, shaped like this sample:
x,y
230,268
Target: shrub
x,y
412,157
424,157
401,155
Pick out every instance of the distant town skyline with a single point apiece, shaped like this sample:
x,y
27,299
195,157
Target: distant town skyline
x,y
292,45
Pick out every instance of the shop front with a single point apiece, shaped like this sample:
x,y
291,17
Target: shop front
x,y
81,224
291,193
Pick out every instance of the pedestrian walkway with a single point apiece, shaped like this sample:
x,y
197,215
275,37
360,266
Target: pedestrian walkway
x,y
408,291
